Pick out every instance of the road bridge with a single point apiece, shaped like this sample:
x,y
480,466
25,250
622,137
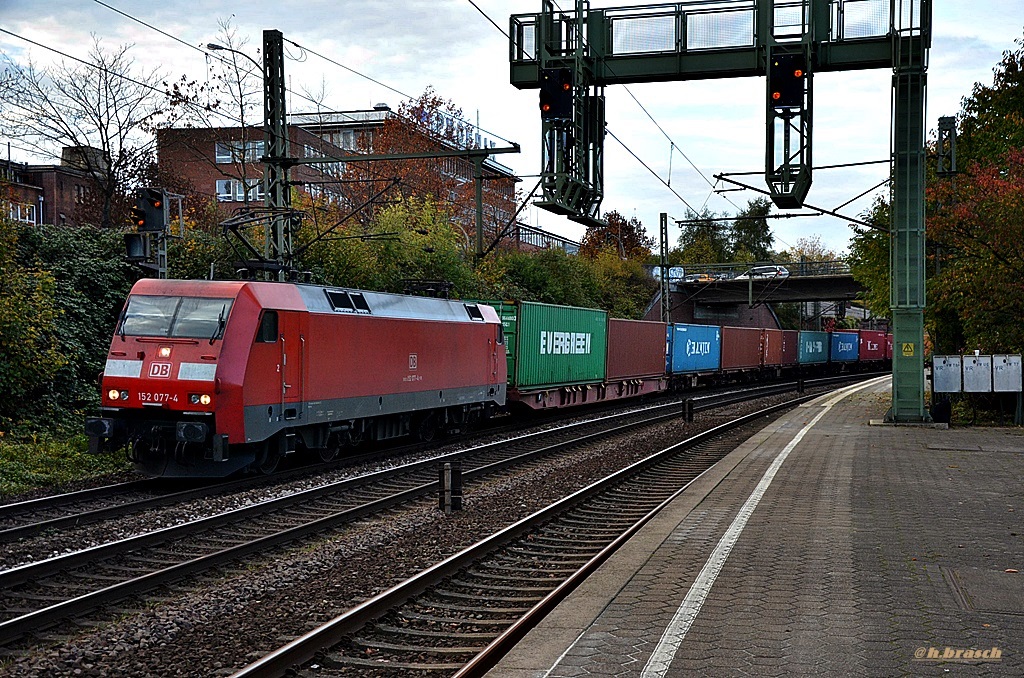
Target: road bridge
x,y
836,287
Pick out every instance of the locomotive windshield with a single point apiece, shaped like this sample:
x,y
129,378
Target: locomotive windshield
x,y
184,317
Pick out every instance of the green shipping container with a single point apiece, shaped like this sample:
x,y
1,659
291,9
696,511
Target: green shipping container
x,y
551,346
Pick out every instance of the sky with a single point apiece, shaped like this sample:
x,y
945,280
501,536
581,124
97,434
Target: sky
x,y
684,132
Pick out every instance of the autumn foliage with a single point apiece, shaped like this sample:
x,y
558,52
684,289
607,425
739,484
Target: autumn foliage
x,y
977,226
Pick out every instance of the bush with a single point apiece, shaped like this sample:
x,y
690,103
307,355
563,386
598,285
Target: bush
x,y
78,280
42,461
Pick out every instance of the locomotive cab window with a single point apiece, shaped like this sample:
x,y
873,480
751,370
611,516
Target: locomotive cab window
x,y
181,317
267,333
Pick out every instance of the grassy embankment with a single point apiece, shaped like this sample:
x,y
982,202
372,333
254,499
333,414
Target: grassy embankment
x,y
43,461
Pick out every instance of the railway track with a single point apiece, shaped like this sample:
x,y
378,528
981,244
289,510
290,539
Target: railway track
x,y
460,616
40,594
22,519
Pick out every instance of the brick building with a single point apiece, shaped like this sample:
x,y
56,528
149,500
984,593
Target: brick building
x,y
223,164
47,194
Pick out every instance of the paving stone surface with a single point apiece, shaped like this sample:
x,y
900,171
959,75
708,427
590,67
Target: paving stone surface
x,y
871,546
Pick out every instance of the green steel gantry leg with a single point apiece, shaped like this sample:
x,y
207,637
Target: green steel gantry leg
x,y
907,299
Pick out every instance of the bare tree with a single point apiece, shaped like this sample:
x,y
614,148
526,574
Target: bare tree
x,y
103,103
228,106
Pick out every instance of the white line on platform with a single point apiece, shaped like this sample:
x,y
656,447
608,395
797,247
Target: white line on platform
x,y
660,660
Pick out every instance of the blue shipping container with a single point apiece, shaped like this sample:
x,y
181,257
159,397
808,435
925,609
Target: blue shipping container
x,y
813,347
694,348
845,347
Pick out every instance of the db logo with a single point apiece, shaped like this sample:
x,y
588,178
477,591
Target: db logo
x,y
160,370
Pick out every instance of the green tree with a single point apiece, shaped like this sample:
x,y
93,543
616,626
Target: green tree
x,y
992,117
90,280
752,238
29,332
705,239
869,258
975,222
548,276
624,287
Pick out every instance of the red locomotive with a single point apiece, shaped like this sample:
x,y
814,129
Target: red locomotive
x,y
206,378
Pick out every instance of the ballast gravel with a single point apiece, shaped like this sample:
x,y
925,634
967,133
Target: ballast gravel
x,y
224,620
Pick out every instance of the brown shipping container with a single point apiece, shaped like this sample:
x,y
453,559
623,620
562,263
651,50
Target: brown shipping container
x,y
636,348
872,345
741,348
771,347
790,347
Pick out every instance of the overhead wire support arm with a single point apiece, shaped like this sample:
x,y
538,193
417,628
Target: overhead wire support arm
x,y
820,210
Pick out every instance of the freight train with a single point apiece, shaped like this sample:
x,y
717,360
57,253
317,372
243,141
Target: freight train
x,y
211,378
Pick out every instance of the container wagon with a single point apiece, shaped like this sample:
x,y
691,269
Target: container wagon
x,y
694,352
813,349
741,350
844,347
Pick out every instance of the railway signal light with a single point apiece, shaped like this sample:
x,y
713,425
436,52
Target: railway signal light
x,y
556,94
138,217
786,76
152,204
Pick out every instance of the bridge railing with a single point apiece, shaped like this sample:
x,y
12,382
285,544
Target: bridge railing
x,y
713,272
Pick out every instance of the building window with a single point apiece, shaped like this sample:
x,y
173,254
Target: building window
x,y
235,190
80,193
22,212
238,151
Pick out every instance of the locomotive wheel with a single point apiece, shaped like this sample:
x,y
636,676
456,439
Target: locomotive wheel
x,y
354,439
330,451
268,457
425,428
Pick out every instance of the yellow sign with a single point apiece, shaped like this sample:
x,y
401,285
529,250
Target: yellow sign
x,y
908,350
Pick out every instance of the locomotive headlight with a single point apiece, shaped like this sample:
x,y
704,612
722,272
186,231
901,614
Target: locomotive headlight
x,y
113,394
165,351
124,395
199,399
205,399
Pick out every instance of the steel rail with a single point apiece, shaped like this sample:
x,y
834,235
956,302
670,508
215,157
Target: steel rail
x,y
306,647
14,628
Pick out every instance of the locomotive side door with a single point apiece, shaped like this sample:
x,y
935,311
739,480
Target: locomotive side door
x,y
292,366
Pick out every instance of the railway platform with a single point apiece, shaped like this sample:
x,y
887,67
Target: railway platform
x,y
826,544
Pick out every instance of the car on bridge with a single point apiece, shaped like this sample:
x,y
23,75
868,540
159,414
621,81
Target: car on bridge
x,y
764,273
701,278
